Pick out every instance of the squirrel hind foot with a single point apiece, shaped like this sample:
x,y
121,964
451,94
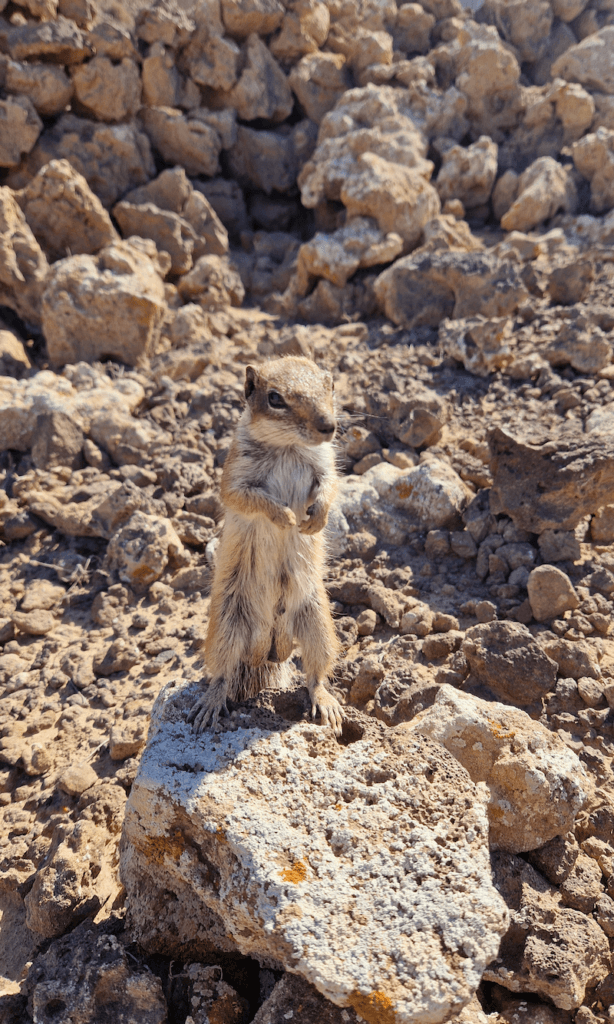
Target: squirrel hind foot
x,y
208,708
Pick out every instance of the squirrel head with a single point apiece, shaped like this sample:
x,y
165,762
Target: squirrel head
x,y
290,401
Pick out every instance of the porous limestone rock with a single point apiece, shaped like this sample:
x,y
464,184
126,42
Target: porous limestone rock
x,y
468,173
21,402
581,343
63,212
163,86
75,879
20,128
487,76
551,593
210,58
526,28
336,256
594,159
576,478
432,492
87,975
425,288
262,89
111,158
114,429
183,139
591,62
112,304
108,91
164,22
400,199
47,86
59,41
242,17
504,657
551,950
318,81
445,233
170,232
535,782
291,873
304,29
374,119
481,345
542,190
23,267
139,553
14,360
57,442
270,160
412,29
213,282
602,525
173,191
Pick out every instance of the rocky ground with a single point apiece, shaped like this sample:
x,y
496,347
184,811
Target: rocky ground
x,y
420,197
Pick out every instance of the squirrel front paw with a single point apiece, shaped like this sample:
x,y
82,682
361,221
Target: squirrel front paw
x,y
283,517
318,518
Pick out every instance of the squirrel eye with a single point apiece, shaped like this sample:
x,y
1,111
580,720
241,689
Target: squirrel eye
x,y
276,401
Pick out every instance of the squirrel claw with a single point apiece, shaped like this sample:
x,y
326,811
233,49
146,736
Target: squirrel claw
x,y
329,708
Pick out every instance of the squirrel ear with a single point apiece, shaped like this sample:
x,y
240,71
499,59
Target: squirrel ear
x,y
250,380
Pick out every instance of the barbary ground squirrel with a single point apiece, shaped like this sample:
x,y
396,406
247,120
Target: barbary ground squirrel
x,y
278,483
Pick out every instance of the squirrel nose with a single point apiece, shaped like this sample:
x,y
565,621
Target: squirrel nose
x,y
326,426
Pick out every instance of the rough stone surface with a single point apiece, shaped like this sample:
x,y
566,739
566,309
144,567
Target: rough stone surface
x,y
400,199
48,87
468,174
63,213
59,41
20,127
183,139
109,305
139,553
575,475
23,267
336,256
542,190
481,345
422,290
551,593
262,89
593,157
539,925
111,158
89,976
109,92
296,996
535,782
591,62
177,772
505,657
431,493
318,81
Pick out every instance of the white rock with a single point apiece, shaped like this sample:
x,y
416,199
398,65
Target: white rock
x,y
537,785
431,492
362,867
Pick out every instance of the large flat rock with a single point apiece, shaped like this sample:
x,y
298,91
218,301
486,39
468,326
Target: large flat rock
x,y
361,865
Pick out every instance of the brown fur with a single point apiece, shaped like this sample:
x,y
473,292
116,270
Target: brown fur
x,y
278,484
